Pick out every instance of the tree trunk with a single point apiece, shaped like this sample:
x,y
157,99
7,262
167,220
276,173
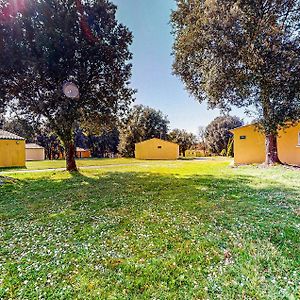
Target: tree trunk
x,y
70,151
271,150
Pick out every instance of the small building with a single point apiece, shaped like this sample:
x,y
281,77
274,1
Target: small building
x,y
250,147
12,150
194,153
156,149
82,153
34,152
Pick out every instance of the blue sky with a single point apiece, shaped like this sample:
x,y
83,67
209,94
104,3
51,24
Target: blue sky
x,y
152,64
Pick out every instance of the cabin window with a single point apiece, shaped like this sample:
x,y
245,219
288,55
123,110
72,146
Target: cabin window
x,y
242,137
159,147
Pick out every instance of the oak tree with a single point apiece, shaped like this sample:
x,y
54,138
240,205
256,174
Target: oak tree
x,y
184,139
218,135
243,53
47,43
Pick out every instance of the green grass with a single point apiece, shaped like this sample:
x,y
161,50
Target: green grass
x,y
56,164
163,230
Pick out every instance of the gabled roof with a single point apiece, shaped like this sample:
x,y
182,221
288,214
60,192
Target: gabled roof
x,y
5,135
33,146
160,140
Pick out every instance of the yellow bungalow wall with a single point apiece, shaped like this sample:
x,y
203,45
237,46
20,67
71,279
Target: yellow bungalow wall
x,y
156,149
12,153
288,147
194,153
249,145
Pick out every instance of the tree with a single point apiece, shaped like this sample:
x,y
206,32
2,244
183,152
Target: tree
x,y
217,133
21,127
141,124
202,139
51,142
184,139
103,144
230,149
50,42
243,53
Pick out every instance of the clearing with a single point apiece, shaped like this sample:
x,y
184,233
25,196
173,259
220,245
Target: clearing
x,y
163,230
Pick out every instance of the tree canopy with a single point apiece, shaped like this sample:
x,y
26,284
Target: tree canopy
x,y
103,144
242,53
142,123
21,127
217,133
50,42
184,139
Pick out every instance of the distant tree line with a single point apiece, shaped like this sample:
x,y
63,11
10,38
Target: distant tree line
x,y
118,139
105,144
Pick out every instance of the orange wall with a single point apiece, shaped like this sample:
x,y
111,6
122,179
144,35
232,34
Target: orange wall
x,y
12,153
156,149
252,149
85,154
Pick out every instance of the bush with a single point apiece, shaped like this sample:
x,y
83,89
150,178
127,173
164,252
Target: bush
x,y
230,148
223,152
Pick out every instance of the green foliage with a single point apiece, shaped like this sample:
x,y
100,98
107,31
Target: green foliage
x,y
223,152
142,123
229,152
217,133
103,144
55,41
155,230
242,53
48,139
21,127
184,139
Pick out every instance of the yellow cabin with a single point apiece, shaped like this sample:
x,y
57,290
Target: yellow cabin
x,y
249,145
156,149
194,153
12,150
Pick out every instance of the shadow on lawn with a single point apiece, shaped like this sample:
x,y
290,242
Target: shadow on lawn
x,y
232,203
146,231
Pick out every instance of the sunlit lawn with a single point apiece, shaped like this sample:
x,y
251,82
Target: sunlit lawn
x,y
53,164
87,162
163,230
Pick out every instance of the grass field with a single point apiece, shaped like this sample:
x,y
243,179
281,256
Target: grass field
x,y
88,162
163,230
56,164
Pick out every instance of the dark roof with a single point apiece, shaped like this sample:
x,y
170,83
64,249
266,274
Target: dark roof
x,y
33,146
5,135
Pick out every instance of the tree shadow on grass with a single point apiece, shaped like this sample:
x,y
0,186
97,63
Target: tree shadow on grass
x,y
225,201
121,219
